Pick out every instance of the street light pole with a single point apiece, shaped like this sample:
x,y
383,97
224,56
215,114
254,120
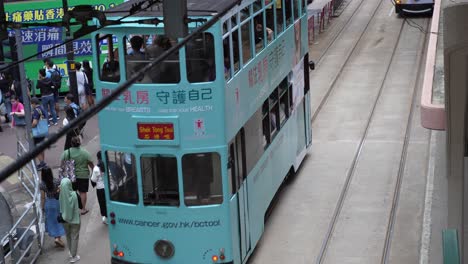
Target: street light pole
x,y
70,59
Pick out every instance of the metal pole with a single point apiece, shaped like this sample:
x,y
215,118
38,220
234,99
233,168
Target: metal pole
x,y
70,59
3,29
24,89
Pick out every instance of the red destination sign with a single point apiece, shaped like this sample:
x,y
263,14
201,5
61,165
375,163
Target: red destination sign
x,y
156,131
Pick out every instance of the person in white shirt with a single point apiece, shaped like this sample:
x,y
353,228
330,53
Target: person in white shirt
x,y
97,179
80,81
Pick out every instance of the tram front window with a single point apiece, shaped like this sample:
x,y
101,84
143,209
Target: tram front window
x,y
202,179
160,182
122,177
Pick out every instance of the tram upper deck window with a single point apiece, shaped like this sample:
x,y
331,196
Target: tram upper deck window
x,y
201,58
160,182
142,49
108,58
202,179
122,177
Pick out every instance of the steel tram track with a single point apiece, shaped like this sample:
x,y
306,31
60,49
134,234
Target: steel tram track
x,y
404,152
404,155
332,85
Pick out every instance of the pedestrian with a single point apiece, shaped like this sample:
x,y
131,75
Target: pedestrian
x,y
83,161
18,120
98,178
50,205
55,76
37,116
47,96
5,87
70,214
69,116
80,81
69,101
88,71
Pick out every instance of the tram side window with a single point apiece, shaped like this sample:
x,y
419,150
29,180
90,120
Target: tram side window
x,y
304,6
274,113
288,12
270,20
246,42
279,16
160,180
122,181
235,49
296,4
254,140
202,179
108,58
227,59
201,58
284,101
259,33
142,49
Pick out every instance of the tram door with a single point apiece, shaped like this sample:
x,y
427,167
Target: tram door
x,y
237,153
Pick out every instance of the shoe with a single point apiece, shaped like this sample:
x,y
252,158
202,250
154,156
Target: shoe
x,y
58,118
48,125
69,254
59,243
55,123
104,220
75,259
41,165
50,118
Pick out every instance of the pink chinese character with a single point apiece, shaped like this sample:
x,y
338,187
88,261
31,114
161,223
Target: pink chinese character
x,y
265,66
251,78
127,97
142,97
105,92
259,72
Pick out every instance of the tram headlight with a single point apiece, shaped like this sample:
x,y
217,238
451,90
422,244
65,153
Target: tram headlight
x,y
164,249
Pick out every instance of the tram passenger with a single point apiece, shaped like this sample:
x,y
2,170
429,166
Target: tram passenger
x,y
83,161
168,70
51,206
69,210
111,67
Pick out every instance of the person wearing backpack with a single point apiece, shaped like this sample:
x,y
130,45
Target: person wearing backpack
x,y
55,76
47,96
83,164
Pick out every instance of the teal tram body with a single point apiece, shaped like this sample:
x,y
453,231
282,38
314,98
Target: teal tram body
x,y
197,149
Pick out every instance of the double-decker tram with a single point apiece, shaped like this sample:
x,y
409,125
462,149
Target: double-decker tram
x,y
196,149
414,6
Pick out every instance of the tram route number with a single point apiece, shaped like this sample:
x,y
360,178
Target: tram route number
x,y
171,225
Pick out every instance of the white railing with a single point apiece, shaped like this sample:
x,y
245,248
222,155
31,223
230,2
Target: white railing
x,y
23,243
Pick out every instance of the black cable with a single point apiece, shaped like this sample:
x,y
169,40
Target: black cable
x,y
151,3
86,115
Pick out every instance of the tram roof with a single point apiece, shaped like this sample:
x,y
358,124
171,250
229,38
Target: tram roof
x,y
194,8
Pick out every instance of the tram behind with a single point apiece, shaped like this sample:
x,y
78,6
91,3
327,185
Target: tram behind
x,y
414,6
196,149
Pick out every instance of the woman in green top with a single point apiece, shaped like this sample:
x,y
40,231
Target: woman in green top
x,y
83,164
70,211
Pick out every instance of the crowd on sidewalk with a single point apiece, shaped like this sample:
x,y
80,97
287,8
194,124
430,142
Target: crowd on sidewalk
x,y
64,196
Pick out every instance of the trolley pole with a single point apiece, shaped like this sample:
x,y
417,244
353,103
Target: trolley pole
x,y
24,88
70,59
175,18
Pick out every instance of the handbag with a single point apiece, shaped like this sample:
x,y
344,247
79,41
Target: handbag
x,y
60,218
19,120
67,169
42,127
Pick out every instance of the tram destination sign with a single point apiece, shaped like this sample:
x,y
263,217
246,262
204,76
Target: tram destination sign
x,y
155,131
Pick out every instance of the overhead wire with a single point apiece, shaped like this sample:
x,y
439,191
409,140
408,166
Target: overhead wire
x,y
105,101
